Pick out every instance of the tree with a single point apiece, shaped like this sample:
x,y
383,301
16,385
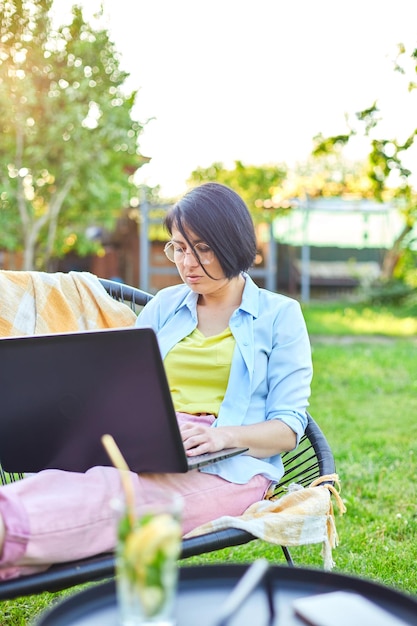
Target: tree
x,y
327,176
388,175
69,141
258,185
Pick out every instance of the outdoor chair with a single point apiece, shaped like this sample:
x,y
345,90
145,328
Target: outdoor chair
x,y
312,459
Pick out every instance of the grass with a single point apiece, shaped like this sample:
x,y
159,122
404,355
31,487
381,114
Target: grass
x,y
364,397
359,319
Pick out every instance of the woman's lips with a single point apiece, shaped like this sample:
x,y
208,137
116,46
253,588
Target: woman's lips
x,y
193,278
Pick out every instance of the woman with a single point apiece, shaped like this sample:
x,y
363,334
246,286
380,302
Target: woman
x,y
238,361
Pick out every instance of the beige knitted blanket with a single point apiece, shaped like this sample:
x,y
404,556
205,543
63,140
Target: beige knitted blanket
x,y
33,303
300,517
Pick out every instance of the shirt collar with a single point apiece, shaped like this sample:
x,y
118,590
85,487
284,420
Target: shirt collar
x,y
250,297
249,304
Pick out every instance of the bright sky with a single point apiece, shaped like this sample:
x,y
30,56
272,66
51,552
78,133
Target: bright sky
x,y
255,80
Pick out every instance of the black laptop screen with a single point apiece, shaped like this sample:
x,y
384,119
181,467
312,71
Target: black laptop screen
x,y
61,393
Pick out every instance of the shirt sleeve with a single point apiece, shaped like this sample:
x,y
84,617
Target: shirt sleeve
x,y
290,369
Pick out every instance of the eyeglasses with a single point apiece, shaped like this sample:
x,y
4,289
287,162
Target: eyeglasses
x,y
201,251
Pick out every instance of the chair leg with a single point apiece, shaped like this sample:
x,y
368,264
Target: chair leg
x,y
288,556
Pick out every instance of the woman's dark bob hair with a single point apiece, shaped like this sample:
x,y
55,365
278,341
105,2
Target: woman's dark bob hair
x,y
221,219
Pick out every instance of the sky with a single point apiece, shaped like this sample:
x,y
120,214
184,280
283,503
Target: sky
x,y
255,80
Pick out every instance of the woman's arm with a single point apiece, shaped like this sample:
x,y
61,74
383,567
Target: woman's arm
x,y
263,440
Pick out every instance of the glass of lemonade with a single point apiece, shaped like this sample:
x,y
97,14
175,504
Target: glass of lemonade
x,y
147,552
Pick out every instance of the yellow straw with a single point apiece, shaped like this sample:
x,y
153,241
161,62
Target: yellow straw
x,y
119,463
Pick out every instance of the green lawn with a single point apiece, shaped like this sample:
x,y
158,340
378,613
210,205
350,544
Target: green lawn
x,y
338,319
365,399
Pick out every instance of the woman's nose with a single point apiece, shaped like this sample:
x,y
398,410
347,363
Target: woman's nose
x,y
189,258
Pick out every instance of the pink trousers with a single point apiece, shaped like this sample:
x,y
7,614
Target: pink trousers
x,y
57,516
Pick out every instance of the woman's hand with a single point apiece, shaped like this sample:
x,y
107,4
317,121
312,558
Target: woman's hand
x,y
199,439
263,440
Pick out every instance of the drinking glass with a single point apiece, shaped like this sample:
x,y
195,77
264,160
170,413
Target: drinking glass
x,y
148,548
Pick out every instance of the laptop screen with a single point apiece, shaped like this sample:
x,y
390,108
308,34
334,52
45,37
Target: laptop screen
x,y
61,393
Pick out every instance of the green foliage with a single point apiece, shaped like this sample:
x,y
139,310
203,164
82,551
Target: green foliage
x,y
328,175
69,142
326,145
257,185
385,163
391,292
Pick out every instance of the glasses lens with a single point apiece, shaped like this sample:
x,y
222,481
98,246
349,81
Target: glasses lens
x,y
205,253
169,251
201,251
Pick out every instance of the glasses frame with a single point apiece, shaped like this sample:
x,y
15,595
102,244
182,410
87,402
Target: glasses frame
x,y
170,249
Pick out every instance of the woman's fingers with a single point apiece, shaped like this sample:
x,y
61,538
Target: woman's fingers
x,y
198,439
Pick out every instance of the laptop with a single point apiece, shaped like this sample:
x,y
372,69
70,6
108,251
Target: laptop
x,y
60,393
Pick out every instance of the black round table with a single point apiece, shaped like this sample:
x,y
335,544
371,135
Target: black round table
x,y
203,590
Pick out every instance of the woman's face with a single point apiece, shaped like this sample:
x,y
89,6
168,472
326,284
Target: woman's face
x,y
190,269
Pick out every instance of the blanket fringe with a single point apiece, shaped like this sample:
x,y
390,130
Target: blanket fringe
x,y
326,481
305,515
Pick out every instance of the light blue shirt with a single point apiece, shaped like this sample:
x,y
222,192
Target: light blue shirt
x,y
271,369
